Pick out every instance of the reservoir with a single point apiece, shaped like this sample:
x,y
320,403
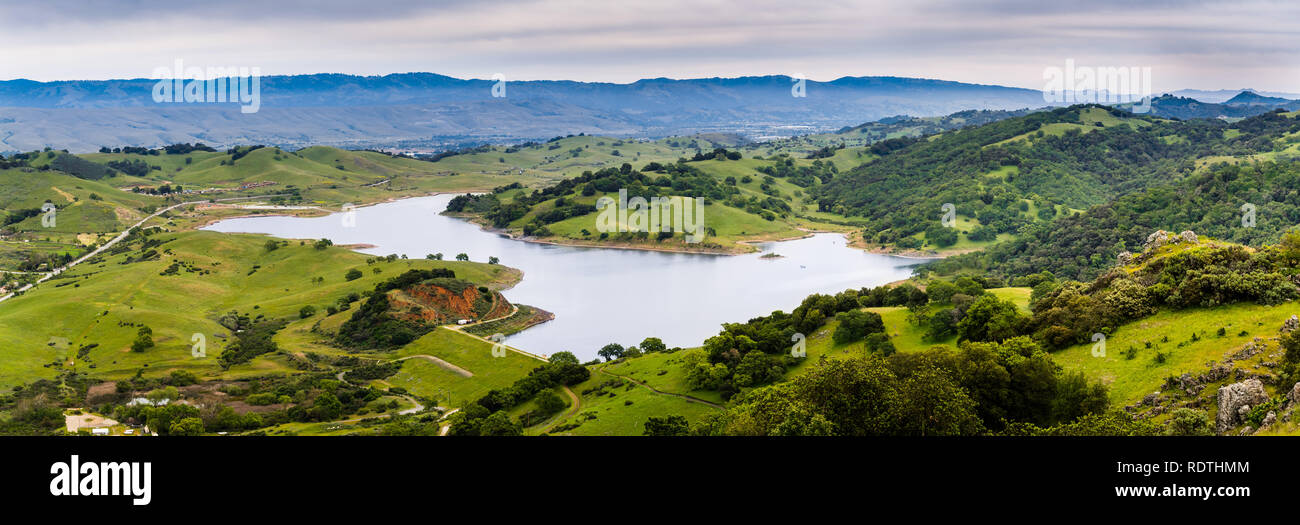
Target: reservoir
x,y
606,295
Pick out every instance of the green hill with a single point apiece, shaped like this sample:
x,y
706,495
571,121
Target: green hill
x,y
1017,173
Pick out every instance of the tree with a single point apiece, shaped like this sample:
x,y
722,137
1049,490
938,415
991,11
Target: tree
x,y
990,319
190,426
1076,398
611,351
548,403
306,311
499,424
879,342
143,339
563,358
322,244
941,236
666,426
182,378
353,274
326,407
856,324
653,344
462,257
493,260
163,395
434,256
934,405
271,246
941,292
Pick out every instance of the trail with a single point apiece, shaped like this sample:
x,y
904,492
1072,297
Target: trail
x,y
691,399
119,237
457,329
440,362
574,406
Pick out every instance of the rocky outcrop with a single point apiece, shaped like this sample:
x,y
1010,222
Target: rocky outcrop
x,y
1157,239
1235,401
1291,325
1160,238
1249,350
1125,258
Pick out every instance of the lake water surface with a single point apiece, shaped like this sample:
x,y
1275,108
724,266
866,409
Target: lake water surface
x,y
603,295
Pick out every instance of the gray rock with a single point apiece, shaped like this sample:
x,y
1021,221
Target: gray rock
x,y
1235,401
1269,419
1125,258
1188,236
1157,239
1291,325
1294,394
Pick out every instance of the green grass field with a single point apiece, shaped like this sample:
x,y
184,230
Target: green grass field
x,y
615,407
427,378
98,303
1169,333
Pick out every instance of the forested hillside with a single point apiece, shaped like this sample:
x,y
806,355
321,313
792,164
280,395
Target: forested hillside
x,y
1007,175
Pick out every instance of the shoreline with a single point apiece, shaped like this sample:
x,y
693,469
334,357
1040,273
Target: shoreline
x,y
487,228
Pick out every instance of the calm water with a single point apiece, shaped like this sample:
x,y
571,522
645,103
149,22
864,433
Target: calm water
x,y
602,295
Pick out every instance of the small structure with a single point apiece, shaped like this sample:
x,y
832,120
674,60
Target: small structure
x,y
463,322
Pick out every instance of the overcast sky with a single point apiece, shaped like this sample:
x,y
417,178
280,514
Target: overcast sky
x,y
1187,44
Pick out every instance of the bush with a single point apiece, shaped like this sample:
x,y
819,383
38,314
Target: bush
x,y
856,324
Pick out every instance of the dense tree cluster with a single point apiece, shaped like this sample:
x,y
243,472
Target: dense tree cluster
x,y
1073,169
977,389
1083,246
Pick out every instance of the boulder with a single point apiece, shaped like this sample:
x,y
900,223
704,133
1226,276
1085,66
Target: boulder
x,y
1157,239
1291,325
1188,236
1235,401
1125,258
1269,419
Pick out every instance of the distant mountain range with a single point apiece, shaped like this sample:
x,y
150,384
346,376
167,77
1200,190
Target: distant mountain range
x,y
1243,104
426,111
1223,95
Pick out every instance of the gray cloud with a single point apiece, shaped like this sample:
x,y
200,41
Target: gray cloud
x,y
1186,43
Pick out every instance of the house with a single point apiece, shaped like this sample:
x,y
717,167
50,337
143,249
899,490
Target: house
x,y
463,322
